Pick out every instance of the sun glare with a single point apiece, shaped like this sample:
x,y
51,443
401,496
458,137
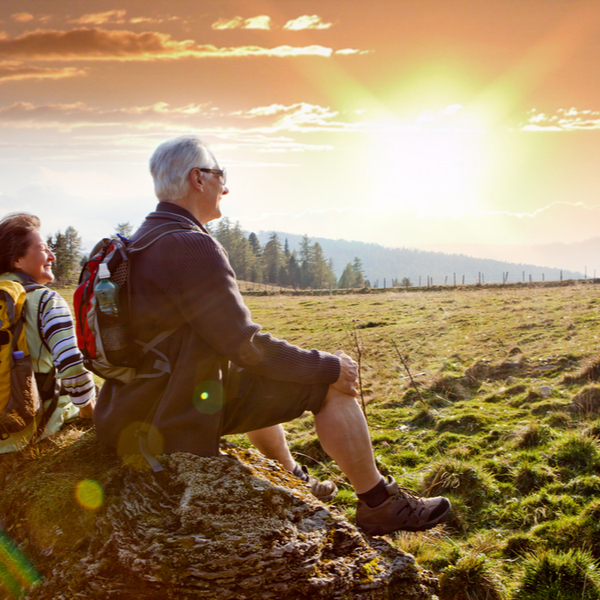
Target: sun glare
x,y
434,165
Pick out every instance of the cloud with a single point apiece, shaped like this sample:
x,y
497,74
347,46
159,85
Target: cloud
x,y
22,17
300,117
269,120
16,71
76,115
565,119
349,51
101,44
119,17
110,16
138,20
307,22
265,22
259,22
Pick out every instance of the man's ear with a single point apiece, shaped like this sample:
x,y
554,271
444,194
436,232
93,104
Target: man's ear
x,y
196,180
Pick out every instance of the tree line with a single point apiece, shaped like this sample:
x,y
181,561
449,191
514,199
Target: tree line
x,y
274,263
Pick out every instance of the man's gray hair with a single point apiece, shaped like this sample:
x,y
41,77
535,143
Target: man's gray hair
x,y
173,160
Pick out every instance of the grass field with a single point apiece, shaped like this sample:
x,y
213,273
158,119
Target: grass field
x,y
506,427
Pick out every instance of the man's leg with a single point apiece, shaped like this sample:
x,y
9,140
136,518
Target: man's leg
x,y
382,507
271,442
344,435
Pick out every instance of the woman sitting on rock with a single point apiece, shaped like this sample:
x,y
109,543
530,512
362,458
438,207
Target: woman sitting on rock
x,y
57,362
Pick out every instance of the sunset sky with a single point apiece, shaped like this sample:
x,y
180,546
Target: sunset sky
x,y
401,122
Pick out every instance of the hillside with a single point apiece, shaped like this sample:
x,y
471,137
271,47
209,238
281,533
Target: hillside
x,y
396,263
578,256
507,427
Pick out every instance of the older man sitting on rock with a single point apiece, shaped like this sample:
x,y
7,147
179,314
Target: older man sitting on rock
x,y
226,376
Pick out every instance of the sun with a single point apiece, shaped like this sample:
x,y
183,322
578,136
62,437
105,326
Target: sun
x,y
435,164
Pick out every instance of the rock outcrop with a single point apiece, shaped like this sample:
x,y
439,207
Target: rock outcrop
x,y
233,527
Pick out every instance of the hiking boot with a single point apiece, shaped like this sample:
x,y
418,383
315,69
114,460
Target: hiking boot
x,y
403,510
321,490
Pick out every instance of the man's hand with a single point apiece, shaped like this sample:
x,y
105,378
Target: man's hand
x,y
348,378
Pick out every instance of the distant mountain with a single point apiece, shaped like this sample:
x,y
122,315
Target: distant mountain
x,y
396,263
579,256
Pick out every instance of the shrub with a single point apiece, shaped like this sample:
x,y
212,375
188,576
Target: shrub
x,y
423,418
519,545
590,371
464,423
577,451
587,401
467,480
560,534
560,419
538,508
533,435
593,429
408,458
585,485
532,477
450,387
553,575
470,579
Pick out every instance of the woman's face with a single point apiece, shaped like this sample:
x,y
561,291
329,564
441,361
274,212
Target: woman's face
x,y
38,259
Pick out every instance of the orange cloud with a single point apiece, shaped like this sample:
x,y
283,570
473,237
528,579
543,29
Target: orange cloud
x,y
79,111
259,22
15,71
298,117
102,44
118,16
110,16
565,119
307,22
22,17
349,51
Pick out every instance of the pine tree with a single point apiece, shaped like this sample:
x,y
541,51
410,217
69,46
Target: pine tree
x,y
295,277
272,259
125,229
67,249
305,257
357,267
348,277
255,244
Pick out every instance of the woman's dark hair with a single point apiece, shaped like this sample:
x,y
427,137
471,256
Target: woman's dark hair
x,y
14,238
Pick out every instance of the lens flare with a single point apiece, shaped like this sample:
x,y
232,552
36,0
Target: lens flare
x,y
16,572
208,397
89,494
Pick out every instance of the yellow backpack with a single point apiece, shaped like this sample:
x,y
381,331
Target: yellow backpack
x,y
20,401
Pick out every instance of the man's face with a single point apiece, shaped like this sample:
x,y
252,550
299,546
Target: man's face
x,y
213,189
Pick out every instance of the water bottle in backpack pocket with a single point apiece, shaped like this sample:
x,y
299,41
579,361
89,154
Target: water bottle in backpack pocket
x,y
113,330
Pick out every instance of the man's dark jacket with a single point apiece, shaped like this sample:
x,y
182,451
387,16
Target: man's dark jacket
x,y
184,281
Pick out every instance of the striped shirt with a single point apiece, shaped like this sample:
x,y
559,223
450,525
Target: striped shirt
x,y
58,332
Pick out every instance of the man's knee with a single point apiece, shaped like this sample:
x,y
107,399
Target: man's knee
x,y
336,399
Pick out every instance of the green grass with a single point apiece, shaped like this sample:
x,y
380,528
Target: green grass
x,y
506,425
507,428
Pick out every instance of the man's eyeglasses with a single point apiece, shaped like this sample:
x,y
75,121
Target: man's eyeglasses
x,y
220,172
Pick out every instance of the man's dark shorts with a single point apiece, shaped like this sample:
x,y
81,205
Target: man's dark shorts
x,y
253,402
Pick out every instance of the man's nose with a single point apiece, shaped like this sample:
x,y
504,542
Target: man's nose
x,y
225,190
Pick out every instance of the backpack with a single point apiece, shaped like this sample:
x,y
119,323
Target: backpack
x,y
89,326
20,400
